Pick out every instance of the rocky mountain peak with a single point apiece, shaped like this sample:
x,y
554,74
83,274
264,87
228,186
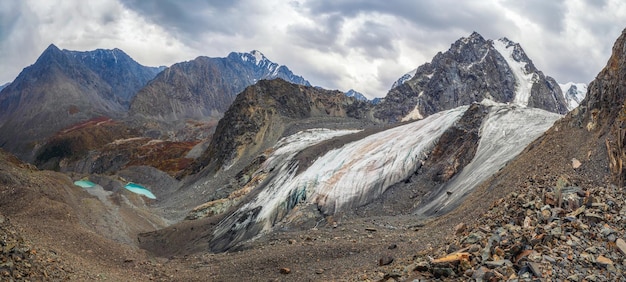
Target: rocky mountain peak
x,y
574,93
356,95
473,69
262,112
404,78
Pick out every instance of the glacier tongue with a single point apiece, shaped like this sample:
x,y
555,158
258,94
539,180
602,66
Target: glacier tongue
x,y
361,171
342,178
506,131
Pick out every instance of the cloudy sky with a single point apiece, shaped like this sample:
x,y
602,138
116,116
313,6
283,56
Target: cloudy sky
x,y
336,44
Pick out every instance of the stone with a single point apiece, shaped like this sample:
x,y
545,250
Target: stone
x,y
473,238
535,268
460,228
576,163
285,270
421,266
392,246
385,260
439,272
476,248
604,261
319,271
369,229
498,263
621,245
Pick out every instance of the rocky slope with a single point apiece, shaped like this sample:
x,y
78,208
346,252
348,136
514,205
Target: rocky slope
x,y
54,230
472,69
561,220
105,146
205,87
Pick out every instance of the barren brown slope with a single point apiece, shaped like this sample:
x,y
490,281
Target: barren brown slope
x,y
69,232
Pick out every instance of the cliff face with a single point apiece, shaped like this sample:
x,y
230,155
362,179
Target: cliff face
x,y
606,94
472,69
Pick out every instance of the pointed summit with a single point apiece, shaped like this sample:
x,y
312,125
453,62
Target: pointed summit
x,y
472,70
50,53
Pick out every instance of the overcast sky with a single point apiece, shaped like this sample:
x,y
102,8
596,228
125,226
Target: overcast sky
x,y
336,44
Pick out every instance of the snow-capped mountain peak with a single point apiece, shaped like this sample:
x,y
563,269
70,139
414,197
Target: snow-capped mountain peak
x,y
404,78
574,93
357,95
265,68
255,57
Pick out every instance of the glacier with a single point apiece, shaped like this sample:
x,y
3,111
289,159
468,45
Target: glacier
x,y
342,178
360,171
507,130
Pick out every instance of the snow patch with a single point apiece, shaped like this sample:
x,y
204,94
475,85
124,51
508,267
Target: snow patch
x,y
524,81
415,113
258,56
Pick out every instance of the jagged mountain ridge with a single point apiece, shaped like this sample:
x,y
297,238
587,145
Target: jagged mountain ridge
x,y
472,69
205,86
120,71
356,95
63,88
4,85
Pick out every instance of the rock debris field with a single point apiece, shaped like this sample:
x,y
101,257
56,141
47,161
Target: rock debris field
x,y
563,233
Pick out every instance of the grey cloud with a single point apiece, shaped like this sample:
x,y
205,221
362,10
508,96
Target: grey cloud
x,y
322,36
190,19
548,14
374,40
433,15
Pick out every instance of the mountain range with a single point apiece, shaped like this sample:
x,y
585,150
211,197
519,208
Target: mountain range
x,y
205,86
244,157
